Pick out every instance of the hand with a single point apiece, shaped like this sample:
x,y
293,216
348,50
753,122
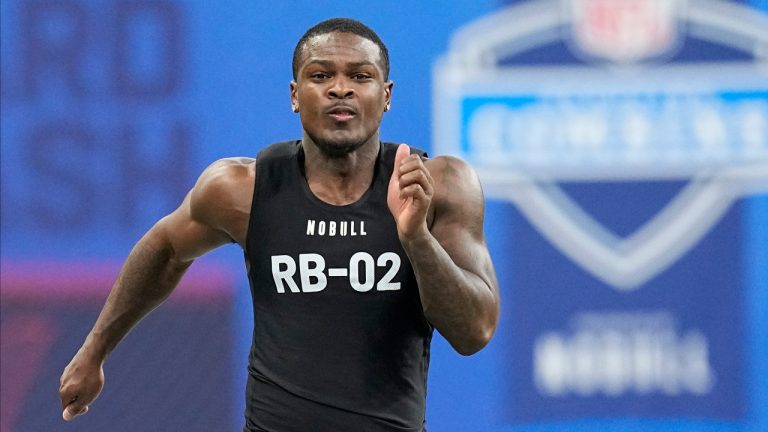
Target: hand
x,y
411,188
81,383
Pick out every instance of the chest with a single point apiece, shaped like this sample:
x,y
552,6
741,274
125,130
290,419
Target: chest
x,y
305,248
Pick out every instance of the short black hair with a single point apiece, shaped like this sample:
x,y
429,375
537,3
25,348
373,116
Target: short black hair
x,y
344,25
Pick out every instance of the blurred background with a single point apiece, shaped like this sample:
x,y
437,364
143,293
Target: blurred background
x,y
622,145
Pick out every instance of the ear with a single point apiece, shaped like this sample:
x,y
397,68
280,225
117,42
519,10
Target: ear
x,y
388,94
294,97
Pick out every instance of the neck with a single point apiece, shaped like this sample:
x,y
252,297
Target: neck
x,y
344,179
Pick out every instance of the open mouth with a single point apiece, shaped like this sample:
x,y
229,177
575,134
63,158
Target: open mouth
x,y
341,114
342,117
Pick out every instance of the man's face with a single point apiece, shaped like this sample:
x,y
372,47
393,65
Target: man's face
x,y
340,91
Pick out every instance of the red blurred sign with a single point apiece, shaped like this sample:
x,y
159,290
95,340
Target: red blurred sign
x,y
624,31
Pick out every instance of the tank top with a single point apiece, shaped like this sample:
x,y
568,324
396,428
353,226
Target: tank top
x,y
340,341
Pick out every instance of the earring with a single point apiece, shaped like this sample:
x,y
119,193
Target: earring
x,y
295,108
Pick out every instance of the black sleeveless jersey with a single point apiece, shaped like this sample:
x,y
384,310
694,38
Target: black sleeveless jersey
x,y
340,341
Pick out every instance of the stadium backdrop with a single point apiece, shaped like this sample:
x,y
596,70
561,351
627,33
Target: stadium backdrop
x,y
110,109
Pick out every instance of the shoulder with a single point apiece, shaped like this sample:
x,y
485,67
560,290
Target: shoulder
x,y
225,176
454,179
224,187
457,204
229,169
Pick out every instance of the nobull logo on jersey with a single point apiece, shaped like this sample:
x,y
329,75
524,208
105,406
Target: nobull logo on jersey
x,y
335,228
625,133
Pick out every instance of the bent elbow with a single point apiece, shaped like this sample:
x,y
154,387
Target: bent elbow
x,y
475,343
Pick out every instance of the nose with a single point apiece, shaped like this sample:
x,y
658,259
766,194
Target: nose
x,y
340,88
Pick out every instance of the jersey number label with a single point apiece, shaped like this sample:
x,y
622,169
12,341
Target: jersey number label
x,y
313,275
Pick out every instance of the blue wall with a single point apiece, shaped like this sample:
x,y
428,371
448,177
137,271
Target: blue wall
x,y
110,110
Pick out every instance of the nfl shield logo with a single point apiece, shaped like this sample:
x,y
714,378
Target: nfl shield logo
x,y
630,252
624,31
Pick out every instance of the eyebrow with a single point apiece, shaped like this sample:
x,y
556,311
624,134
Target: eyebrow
x,y
328,63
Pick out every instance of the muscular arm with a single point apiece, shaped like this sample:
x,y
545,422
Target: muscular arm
x,y
210,215
150,273
456,278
